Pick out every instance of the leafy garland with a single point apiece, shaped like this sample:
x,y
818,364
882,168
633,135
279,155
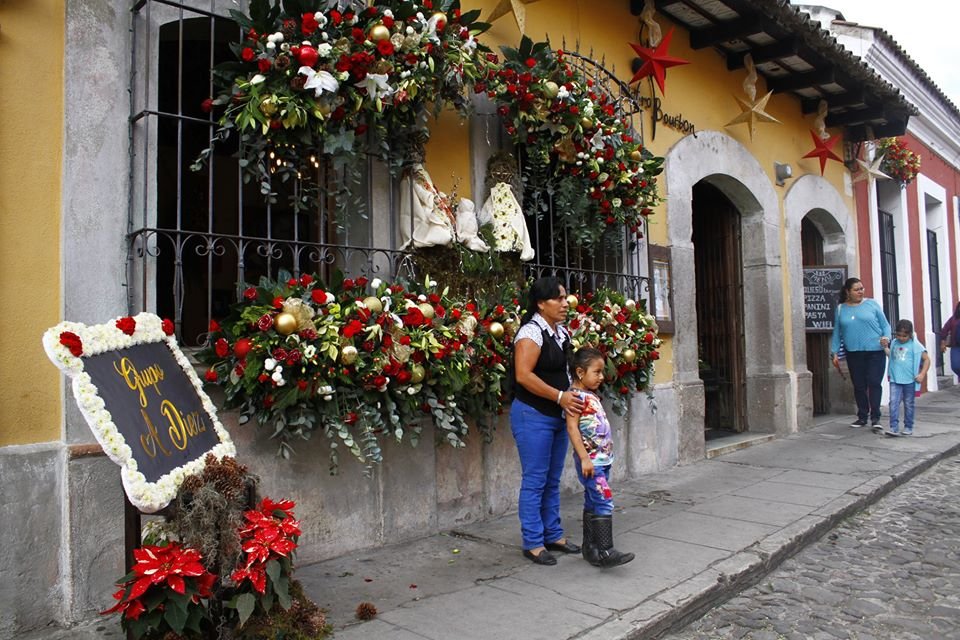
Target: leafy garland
x,y
899,163
311,84
576,146
361,361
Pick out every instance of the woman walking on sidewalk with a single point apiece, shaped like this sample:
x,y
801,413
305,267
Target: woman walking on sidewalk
x,y
541,360
863,329
950,337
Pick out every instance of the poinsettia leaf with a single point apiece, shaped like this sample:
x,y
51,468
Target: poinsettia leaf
x,y
282,587
273,570
176,618
245,603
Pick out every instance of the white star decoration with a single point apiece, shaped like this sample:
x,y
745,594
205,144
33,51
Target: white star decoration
x,y
872,169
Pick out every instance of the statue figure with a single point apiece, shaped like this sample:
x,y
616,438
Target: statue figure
x,y
503,210
426,215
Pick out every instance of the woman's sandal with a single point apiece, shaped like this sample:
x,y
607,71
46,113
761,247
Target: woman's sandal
x,y
544,557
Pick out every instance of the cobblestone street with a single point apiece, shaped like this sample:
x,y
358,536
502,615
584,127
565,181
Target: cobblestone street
x,y
890,572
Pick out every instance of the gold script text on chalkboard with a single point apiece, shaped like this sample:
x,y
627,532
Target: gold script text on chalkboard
x,y
139,380
181,426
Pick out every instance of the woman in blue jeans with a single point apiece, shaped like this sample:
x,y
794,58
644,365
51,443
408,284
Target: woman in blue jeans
x,y
862,327
540,360
950,339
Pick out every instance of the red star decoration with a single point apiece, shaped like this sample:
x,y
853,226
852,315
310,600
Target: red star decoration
x,y
656,61
823,150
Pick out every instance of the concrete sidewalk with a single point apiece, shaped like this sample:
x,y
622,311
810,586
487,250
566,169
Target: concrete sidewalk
x,y
701,533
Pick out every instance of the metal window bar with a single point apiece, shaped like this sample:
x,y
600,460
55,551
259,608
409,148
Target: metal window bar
x,y
936,319
194,238
888,268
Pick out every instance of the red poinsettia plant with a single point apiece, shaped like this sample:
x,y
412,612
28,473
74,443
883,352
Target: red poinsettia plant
x,y
268,539
575,142
167,591
899,162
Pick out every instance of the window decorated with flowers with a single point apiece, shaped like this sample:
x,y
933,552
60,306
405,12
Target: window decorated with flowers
x,y
312,83
899,162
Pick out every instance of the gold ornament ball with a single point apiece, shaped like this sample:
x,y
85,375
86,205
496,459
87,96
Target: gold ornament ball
x,y
636,156
349,354
373,304
496,329
630,304
285,323
417,374
379,32
572,300
427,310
268,107
551,89
586,123
440,19
629,355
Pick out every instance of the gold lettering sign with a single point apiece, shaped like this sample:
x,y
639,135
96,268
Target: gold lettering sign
x,y
139,380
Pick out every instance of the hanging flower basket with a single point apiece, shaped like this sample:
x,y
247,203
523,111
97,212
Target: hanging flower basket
x,y
315,85
899,163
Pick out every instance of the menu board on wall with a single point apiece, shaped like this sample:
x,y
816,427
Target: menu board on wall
x,y
821,295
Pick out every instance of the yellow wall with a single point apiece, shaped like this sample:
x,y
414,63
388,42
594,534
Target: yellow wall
x,y
31,140
701,91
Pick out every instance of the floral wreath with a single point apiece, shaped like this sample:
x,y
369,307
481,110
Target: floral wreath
x,y
68,343
599,173
310,83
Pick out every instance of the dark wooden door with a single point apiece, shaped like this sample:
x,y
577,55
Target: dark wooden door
x,y
818,344
716,240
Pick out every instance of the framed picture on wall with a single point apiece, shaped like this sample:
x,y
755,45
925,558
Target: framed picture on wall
x,y
661,287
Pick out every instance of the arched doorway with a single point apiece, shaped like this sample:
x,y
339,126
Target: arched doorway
x,y
719,304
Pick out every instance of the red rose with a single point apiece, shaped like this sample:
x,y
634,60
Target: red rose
x,y
242,348
387,22
403,376
268,402
413,317
222,348
262,378
362,282
379,381
210,375
214,326
278,302
648,337
72,342
302,385
348,284
168,326
265,322
305,280
351,418
309,24
128,325
250,293
352,328
248,54
263,65
385,48
654,355
319,296
624,390
335,17
207,105
404,340
531,63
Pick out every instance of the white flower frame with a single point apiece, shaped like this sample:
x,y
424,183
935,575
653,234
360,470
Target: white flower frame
x,y
148,497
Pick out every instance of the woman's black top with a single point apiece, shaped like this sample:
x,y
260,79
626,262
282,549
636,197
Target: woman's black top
x,y
551,367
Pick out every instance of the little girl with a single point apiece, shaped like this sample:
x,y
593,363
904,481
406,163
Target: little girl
x,y
593,454
908,367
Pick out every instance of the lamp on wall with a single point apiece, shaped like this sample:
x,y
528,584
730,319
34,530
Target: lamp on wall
x,y
782,172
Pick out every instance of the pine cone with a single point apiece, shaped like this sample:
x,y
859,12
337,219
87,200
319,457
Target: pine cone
x,y
366,611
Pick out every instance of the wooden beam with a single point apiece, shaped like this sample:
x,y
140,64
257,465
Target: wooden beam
x,y
782,49
858,116
730,30
801,80
848,99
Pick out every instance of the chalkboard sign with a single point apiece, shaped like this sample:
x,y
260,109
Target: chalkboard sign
x,y
821,295
143,401
154,405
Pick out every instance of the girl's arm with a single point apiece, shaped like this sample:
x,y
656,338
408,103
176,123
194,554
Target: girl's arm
x,y
924,366
573,432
